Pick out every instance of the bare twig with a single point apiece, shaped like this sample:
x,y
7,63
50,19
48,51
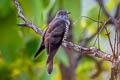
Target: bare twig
x,y
108,34
117,13
74,47
117,38
98,28
115,42
100,2
22,24
88,18
101,29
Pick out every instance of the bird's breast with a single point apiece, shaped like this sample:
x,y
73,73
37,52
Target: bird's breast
x,y
67,24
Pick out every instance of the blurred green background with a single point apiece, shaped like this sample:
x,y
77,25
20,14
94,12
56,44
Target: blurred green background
x,y
18,44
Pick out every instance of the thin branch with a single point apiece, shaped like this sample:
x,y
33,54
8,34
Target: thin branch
x,y
88,18
117,37
101,29
115,42
74,47
22,24
98,28
100,2
117,13
108,34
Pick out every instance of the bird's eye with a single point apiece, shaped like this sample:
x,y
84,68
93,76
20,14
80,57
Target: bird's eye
x,y
62,14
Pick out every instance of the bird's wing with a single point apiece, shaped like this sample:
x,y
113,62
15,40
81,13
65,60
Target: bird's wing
x,y
54,37
42,47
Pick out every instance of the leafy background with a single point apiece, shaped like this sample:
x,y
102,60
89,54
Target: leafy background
x,y
18,44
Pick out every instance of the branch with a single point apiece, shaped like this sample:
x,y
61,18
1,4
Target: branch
x,y
27,23
88,18
100,2
117,13
74,47
91,50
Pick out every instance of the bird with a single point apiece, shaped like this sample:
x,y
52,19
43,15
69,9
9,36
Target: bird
x,y
55,33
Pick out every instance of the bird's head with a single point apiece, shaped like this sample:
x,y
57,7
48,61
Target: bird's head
x,y
62,14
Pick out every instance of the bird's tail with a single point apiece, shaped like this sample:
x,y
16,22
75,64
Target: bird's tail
x,y
42,47
50,66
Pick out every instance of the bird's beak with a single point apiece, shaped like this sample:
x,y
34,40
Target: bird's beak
x,y
68,12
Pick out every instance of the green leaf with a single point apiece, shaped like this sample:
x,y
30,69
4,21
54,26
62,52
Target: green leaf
x,y
5,72
4,8
9,53
32,46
